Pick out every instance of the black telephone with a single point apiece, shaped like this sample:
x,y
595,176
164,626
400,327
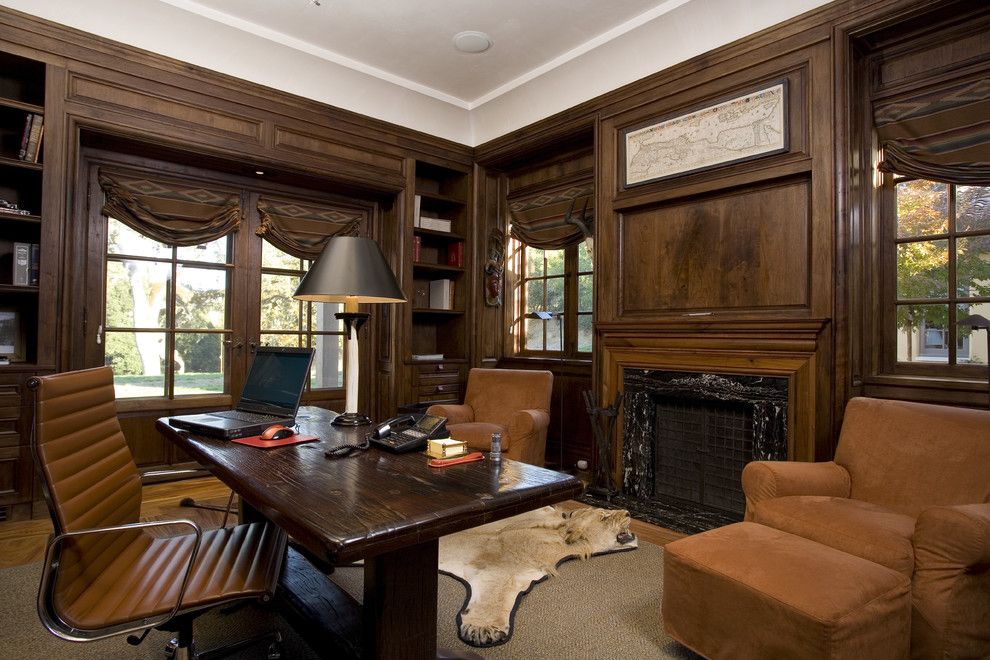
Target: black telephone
x,y
408,432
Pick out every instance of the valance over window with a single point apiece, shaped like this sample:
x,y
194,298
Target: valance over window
x,y
303,230
169,210
556,218
941,134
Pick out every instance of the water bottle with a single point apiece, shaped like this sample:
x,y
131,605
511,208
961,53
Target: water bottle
x,y
496,452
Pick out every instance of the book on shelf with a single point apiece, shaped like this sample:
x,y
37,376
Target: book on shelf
x,y
420,357
455,254
441,294
417,247
34,265
32,146
22,264
24,136
417,206
436,224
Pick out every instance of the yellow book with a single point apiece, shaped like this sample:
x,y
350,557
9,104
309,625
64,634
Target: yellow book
x,y
445,448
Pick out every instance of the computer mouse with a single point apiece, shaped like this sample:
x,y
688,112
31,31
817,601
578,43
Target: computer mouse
x,y
277,432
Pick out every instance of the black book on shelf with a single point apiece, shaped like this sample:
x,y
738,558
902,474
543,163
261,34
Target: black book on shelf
x,y
25,136
34,265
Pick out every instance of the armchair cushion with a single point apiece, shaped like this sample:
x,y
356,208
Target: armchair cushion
x,y
859,528
478,435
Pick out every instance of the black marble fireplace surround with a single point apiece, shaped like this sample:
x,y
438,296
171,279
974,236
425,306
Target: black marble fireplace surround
x,y
687,437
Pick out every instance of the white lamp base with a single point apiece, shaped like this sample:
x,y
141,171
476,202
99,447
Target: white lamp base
x,y
351,417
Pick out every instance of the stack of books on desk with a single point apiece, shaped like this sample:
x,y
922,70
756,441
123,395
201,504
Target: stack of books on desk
x,y
446,448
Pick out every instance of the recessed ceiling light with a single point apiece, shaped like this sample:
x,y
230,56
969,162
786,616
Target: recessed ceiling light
x,y
472,41
259,172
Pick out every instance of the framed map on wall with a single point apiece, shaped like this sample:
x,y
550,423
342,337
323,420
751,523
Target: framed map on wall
x,y
739,129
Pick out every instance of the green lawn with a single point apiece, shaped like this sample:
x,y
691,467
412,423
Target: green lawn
x,y
130,387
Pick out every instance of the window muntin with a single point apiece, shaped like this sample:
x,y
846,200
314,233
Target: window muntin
x,y
942,270
292,323
166,315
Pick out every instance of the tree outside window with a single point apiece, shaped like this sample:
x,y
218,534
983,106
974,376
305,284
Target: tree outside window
x,y
286,321
942,253
558,281
166,314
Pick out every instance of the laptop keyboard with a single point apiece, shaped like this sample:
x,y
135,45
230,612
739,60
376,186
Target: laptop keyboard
x,y
242,416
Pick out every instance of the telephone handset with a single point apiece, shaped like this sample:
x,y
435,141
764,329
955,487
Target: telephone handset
x,y
408,432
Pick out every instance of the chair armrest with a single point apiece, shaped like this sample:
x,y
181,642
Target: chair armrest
x,y
50,569
949,589
455,413
953,536
523,423
764,480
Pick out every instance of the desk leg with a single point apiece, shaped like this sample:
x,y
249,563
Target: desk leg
x,y
400,603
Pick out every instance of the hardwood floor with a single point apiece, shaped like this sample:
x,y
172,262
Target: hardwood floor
x,y
23,542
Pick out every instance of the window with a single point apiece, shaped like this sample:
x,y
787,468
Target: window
x,y
289,322
940,257
559,281
167,314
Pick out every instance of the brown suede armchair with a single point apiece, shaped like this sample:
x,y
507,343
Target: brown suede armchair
x,y
514,402
909,489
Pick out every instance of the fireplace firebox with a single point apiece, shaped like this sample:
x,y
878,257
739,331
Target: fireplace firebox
x,y
687,437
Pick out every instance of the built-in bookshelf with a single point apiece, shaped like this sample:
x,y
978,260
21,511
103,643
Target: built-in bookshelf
x,y
22,114
439,341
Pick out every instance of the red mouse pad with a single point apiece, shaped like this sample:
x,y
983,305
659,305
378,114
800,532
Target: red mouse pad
x,y
257,441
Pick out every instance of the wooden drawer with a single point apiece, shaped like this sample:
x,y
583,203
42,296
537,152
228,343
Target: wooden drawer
x,y
16,474
442,378
10,397
438,398
438,368
450,389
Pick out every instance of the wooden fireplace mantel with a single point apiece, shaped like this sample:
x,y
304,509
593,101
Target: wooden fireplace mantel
x,y
796,349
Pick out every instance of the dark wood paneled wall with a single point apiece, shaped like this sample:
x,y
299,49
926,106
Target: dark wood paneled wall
x,y
750,267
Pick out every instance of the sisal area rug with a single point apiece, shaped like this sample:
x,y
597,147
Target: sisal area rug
x,y
608,609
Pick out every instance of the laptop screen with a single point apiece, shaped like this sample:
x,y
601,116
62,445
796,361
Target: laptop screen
x,y
275,382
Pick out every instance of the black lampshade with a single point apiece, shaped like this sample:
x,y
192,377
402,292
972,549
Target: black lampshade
x,y
350,267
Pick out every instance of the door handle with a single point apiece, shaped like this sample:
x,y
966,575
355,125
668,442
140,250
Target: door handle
x,y
233,343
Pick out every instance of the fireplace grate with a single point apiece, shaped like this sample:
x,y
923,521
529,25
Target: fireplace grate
x,y
702,447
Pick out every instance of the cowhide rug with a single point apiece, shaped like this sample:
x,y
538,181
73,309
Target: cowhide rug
x,y
500,562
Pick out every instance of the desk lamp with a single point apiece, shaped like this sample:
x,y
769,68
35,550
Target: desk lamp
x,y
351,270
977,322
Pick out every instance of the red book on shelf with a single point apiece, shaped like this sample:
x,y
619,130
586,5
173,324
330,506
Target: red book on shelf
x,y
417,247
455,254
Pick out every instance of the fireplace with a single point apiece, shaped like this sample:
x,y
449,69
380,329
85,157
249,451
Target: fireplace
x,y
687,437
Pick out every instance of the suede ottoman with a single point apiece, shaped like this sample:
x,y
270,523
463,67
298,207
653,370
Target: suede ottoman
x,y
749,591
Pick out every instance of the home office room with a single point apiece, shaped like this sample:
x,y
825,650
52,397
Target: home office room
x,y
406,330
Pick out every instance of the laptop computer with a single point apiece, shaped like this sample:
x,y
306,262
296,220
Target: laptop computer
x,y
271,395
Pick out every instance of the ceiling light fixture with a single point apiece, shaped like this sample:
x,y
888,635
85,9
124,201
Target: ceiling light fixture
x,y
472,41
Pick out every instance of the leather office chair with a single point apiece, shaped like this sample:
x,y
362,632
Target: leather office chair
x,y
105,573
513,402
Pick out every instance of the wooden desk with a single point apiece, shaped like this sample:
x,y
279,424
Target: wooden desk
x,y
388,509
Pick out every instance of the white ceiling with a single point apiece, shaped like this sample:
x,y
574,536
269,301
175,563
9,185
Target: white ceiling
x,y
393,59
409,42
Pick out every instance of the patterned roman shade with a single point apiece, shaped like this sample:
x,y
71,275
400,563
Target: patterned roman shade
x,y
554,218
174,211
940,134
303,230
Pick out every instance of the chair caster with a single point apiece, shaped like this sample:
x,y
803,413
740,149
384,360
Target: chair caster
x,y
171,646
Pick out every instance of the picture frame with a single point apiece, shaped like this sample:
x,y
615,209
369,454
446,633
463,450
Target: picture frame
x,y
752,125
11,334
